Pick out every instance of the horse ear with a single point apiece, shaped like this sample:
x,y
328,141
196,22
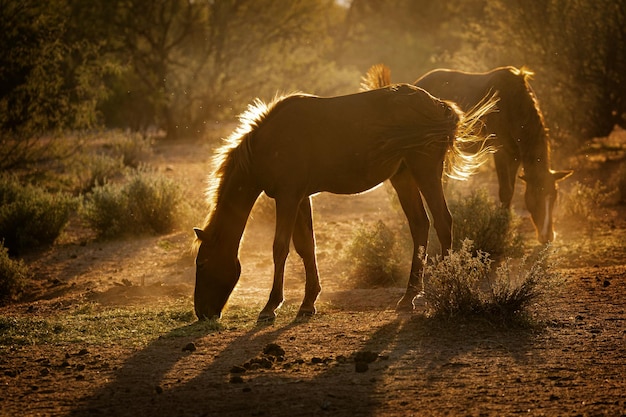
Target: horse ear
x,y
200,234
561,175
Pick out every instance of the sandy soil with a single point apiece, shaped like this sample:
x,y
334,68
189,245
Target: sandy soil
x,y
357,357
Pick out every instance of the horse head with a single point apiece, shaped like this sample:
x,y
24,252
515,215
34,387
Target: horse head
x,y
216,277
540,197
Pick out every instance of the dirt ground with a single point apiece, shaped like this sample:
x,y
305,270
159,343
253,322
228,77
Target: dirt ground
x,y
356,357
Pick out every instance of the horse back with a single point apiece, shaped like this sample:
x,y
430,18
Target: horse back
x,y
467,89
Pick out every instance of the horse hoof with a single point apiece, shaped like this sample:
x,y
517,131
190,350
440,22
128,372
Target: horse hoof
x,y
305,313
266,319
404,306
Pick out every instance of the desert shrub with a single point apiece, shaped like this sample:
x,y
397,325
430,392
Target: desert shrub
x,y
132,148
153,200
94,169
31,216
106,210
583,203
373,252
490,227
13,275
515,289
462,285
453,284
620,181
146,202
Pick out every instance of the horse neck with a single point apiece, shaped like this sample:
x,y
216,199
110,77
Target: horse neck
x,y
529,132
227,222
535,153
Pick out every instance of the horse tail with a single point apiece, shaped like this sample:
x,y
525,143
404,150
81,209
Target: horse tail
x,y
460,163
378,76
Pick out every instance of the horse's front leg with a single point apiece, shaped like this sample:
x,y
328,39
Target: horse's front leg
x,y
286,210
304,242
506,169
413,207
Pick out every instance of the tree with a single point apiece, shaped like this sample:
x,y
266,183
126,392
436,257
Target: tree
x,y
48,81
575,48
187,62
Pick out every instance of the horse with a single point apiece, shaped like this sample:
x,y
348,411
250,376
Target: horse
x,y
517,128
300,145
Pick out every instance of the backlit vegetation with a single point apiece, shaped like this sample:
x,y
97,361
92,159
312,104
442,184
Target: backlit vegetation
x,y
30,216
13,276
463,285
146,202
491,228
374,255
584,202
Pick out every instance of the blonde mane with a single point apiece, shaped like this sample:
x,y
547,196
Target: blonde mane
x,y
234,152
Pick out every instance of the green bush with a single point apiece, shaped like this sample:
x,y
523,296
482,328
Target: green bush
x,y
13,275
462,285
30,216
106,210
147,202
373,252
153,200
491,228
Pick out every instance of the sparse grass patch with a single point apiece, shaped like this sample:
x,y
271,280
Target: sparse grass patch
x,y
31,216
91,324
462,285
374,252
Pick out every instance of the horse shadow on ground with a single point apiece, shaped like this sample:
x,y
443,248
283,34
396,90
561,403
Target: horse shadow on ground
x,y
408,351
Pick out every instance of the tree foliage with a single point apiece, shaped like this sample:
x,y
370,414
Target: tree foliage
x,y
49,80
178,65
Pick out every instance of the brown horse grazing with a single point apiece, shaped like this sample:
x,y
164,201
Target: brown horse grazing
x,y
300,145
517,127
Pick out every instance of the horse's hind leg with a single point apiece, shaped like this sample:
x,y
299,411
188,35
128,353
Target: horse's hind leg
x,y
286,210
411,202
428,178
304,243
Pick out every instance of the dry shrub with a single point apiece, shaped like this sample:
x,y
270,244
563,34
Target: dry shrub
x,y
373,253
13,276
90,170
462,285
30,216
490,227
147,202
583,203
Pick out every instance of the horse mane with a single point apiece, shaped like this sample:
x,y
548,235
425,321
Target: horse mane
x,y
378,76
533,119
235,153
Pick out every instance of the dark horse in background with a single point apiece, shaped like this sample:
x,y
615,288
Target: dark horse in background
x,y
301,145
517,127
